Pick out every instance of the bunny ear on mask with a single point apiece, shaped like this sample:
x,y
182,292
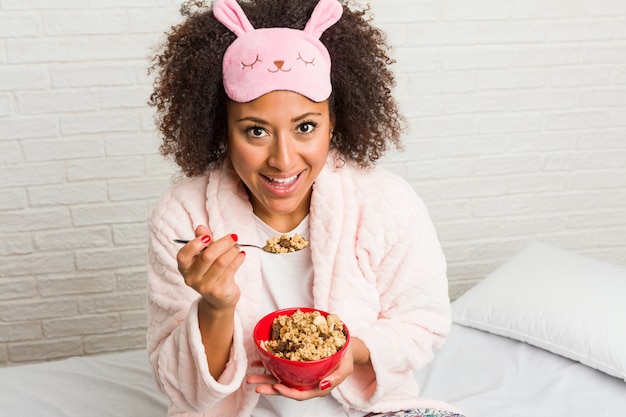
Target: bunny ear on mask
x,y
231,15
263,60
325,14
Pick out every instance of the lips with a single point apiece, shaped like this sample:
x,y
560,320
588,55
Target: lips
x,y
281,185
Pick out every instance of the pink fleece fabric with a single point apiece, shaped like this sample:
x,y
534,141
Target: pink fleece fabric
x,y
377,263
263,60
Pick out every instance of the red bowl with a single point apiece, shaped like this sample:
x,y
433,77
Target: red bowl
x,y
301,375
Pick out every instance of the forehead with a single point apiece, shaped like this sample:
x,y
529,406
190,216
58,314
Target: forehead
x,y
277,105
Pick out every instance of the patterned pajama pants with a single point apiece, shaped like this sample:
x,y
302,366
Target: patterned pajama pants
x,y
416,413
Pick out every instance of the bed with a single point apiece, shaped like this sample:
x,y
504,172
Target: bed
x,y
544,335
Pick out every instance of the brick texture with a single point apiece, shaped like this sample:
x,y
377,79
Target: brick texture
x,y
517,116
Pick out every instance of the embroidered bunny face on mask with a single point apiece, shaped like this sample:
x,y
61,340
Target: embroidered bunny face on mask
x,y
269,59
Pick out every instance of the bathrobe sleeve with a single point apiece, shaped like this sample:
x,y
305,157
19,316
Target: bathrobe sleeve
x,y
174,342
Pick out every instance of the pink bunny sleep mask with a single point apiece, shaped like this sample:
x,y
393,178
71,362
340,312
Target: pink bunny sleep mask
x,y
269,59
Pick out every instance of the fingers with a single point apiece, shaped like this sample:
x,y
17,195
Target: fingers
x,y
202,230
325,386
261,379
187,254
293,393
199,254
268,385
265,382
218,256
341,372
209,267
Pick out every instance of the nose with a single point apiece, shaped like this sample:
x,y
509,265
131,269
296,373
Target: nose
x,y
279,64
282,155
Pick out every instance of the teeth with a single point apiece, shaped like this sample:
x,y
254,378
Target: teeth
x,y
284,180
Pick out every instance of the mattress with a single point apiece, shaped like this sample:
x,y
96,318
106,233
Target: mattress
x,y
487,375
111,385
483,374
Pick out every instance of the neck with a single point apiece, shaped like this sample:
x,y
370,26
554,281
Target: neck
x,y
280,222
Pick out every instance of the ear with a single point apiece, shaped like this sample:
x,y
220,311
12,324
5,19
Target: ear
x,y
325,14
230,14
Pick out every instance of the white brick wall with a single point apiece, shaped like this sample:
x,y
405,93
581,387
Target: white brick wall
x,y
517,112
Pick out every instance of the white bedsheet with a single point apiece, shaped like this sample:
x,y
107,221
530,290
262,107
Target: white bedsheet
x,y
483,374
111,385
492,376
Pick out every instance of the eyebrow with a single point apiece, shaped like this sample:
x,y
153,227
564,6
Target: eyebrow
x,y
294,120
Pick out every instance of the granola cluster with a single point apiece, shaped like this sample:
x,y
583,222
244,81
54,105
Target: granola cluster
x,y
285,243
306,336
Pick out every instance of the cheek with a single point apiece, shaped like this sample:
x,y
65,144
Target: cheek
x,y
241,157
319,153
243,162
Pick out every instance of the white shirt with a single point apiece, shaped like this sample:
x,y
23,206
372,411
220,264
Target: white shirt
x,y
288,277
288,282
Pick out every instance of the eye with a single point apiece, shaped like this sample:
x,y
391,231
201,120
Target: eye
x,y
306,127
312,61
244,65
256,131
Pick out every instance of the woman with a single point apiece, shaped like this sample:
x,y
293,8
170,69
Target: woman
x,y
277,111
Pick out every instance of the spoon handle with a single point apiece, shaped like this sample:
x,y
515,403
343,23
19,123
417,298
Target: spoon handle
x,y
246,245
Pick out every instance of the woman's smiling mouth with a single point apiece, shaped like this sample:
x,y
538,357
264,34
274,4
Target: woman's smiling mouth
x,y
281,185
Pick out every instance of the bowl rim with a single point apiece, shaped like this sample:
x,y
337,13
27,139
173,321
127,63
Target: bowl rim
x,y
289,311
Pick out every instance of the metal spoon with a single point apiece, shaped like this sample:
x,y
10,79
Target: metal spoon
x,y
241,245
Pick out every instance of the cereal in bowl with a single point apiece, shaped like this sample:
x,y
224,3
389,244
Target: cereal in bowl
x,y
306,336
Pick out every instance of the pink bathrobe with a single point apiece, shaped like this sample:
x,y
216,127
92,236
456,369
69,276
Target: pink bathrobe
x,y
377,263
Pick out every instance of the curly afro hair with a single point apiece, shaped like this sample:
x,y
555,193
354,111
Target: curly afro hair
x,y
191,102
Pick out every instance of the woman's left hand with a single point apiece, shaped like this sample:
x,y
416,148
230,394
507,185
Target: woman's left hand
x,y
267,384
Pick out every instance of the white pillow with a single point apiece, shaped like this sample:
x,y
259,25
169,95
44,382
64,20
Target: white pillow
x,y
559,301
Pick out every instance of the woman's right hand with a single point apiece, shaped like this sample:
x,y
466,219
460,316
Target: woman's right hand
x,y
209,268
